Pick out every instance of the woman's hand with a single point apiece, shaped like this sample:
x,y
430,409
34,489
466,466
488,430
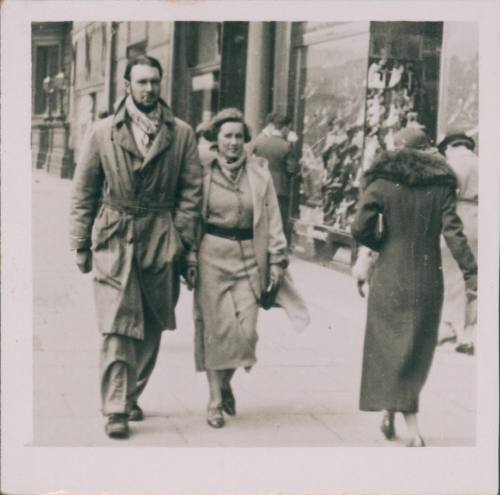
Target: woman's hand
x,y
275,275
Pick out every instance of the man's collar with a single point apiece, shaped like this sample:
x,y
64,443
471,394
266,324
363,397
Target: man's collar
x,y
121,116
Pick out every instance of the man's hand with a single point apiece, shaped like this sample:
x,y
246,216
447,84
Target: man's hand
x,y
84,260
191,276
275,275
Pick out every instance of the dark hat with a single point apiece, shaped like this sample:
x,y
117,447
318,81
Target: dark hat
x,y
410,137
226,115
456,137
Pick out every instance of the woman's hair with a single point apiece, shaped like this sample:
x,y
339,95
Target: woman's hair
x,y
226,115
142,60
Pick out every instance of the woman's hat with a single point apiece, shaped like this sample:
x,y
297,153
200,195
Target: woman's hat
x,y
410,137
455,137
226,115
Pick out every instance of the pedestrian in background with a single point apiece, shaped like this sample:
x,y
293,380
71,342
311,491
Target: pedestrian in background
x,y
273,145
413,191
458,149
135,206
242,255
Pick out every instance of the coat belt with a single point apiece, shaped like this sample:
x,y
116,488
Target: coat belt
x,y
234,234
137,207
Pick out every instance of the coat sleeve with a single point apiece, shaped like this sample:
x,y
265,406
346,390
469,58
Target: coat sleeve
x,y
456,240
291,160
189,194
364,226
277,247
86,193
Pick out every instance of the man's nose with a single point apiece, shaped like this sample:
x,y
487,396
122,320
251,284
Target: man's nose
x,y
149,86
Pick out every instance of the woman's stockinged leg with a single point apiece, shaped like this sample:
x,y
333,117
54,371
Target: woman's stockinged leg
x,y
214,410
214,378
227,375
416,439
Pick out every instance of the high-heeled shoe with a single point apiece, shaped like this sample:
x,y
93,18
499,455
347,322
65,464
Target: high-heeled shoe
x,y
387,426
228,401
418,441
214,416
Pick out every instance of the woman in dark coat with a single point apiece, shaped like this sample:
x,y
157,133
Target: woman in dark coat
x,y
413,191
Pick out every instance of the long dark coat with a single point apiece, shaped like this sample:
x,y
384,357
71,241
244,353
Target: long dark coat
x,y
415,192
139,216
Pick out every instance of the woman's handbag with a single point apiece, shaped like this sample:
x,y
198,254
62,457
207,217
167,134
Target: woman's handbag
x,y
268,296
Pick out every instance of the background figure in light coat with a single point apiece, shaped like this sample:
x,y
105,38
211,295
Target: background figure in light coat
x,y
415,192
456,321
135,207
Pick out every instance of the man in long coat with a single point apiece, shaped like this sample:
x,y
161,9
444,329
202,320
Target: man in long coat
x,y
135,209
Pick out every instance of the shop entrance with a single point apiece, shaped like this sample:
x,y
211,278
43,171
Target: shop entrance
x,y
356,85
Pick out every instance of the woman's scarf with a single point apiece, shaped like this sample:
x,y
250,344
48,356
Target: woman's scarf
x,y
232,169
147,123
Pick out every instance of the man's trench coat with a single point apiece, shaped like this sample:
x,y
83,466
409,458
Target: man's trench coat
x,y
139,216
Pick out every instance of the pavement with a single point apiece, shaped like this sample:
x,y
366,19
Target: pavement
x,y
303,392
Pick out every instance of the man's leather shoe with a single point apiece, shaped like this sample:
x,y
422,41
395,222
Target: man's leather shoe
x,y
117,426
228,401
135,413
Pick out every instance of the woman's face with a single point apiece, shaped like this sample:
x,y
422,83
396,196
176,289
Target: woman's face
x,y
230,140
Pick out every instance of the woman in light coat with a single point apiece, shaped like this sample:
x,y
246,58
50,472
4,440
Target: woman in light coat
x,y
242,253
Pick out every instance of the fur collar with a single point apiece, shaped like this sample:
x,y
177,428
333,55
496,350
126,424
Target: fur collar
x,y
412,168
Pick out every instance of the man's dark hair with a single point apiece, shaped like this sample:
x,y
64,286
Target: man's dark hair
x,y
142,60
279,120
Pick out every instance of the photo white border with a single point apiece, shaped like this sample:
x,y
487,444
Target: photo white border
x,y
25,469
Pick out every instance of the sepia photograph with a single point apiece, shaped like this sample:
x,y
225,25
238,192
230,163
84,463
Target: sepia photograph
x,y
246,233
130,156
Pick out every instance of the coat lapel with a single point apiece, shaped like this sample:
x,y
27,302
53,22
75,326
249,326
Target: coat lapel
x,y
160,144
122,136
257,180
207,179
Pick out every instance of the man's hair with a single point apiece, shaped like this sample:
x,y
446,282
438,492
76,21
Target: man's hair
x,y
279,120
142,60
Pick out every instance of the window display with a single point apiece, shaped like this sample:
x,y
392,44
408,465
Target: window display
x,y
358,85
332,106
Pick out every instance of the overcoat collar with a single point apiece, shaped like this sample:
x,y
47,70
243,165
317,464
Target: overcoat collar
x,y
411,167
122,134
257,178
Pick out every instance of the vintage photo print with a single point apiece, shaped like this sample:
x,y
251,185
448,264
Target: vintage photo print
x,y
250,247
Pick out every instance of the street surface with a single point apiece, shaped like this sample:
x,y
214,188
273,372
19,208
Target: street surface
x,y
303,392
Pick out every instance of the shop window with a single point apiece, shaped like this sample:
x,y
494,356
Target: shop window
x,y
331,87
47,64
354,89
459,101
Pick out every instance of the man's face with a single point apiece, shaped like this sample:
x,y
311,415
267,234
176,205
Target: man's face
x,y
144,86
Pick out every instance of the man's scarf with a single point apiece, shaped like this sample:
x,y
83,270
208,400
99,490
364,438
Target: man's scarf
x,y
147,123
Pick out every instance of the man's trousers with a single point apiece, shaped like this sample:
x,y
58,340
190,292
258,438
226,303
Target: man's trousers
x,y
126,365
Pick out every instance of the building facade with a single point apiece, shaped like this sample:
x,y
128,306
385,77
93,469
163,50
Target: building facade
x,y
347,85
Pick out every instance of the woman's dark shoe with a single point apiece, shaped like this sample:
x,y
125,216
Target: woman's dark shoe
x,y
416,442
117,426
135,413
228,401
387,426
214,417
